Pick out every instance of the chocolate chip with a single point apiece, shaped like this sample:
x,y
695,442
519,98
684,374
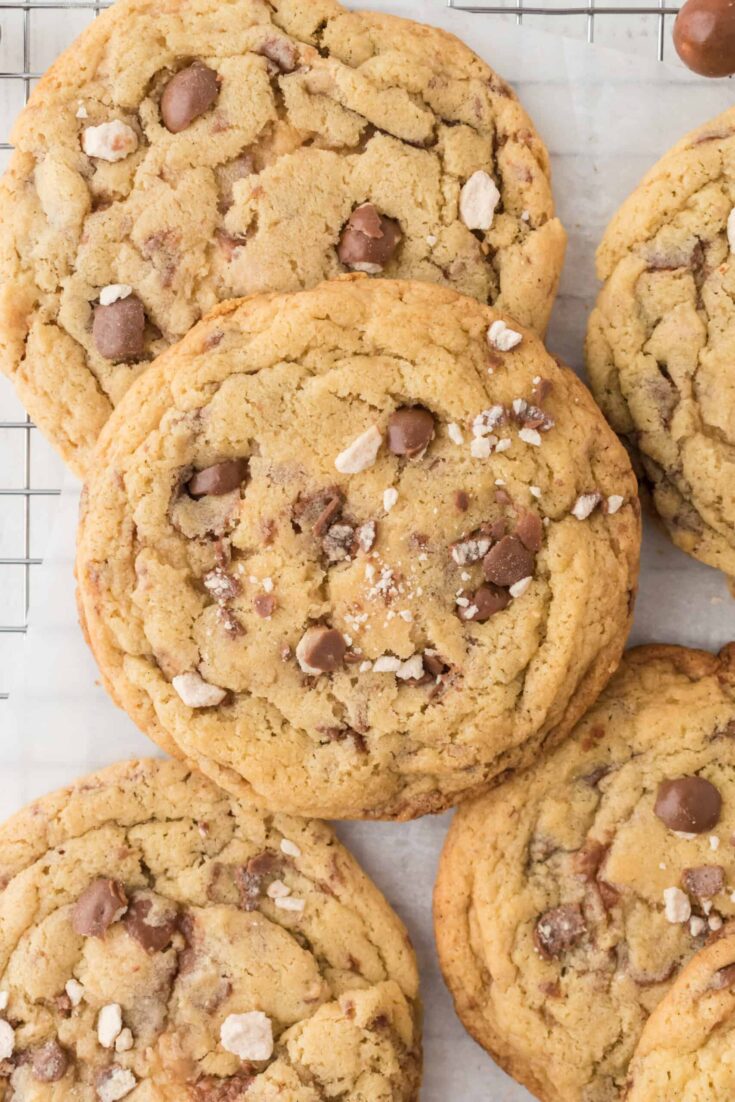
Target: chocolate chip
x,y
99,905
722,978
218,479
252,877
558,930
484,603
508,561
704,37
587,861
704,881
368,240
154,931
461,501
529,530
541,391
343,734
317,511
232,1089
118,330
338,542
49,1062
322,649
689,804
188,95
230,622
223,586
410,431
265,605
281,52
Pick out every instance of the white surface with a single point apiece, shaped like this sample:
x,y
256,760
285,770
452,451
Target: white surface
x,y
606,117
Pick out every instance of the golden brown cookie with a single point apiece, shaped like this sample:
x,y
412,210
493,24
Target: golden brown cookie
x,y
160,941
358,550
181,154
569,898
661,339
686,1050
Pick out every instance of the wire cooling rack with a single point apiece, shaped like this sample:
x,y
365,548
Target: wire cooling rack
x,y
32,32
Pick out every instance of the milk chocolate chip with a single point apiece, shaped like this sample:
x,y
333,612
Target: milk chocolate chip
x,y
218,479
558,930
118,330
688,804
187,96
484,603
99,905
410,431
321,650
153,931
49,1062
508,561
704,36
704,881
368,240
529,530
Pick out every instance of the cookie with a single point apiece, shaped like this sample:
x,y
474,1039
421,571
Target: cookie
x,y
568,899
685,1051
160,941
178,155
659,346
358,549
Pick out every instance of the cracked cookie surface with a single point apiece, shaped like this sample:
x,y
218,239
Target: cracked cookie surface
x,y
660,341
343,551
685,1051
183,154
161,942
568,899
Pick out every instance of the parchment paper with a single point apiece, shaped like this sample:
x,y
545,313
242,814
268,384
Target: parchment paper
x,y
605,117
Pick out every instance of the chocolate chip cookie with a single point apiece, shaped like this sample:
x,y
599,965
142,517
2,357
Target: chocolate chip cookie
x,y
160,940
359,549
660,340
685,1051
179,155
569,898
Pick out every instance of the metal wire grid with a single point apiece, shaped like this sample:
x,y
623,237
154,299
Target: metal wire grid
x,y
27,492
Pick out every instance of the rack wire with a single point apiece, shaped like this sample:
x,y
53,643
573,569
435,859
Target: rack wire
x,y
24,486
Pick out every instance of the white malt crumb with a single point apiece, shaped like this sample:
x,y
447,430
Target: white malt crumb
x,y
277,890
676,905
535,491
465,576
116,1084
662,865
114,292
195,692
3,1000
361,453
502,337
406,615
696,925
75,991
585,505
412,668
731,230
520,587
109,1024
481,447
124,1041
365,667
463,602
112,141
525,216
390,497
82,112
707,906
714,841
454,433
504,445
530,436
431,239
714,922
290,848
7,1040
249,1036
614,502
387,663
477,201
500,482
685,834
268,585
289,903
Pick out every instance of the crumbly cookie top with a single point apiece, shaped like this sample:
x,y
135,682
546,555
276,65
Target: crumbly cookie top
x,y
160,941
569,898
685,1049
661,338
181,154
324,548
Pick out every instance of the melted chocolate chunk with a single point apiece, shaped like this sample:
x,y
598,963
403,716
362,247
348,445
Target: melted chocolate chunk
x,y
264,605
704,881
508,562
530,530
49,1062
99,905
559,930
368,240
484,603
118,330
723,978
188,95
322,649
410,431
252,878
154,931
688,804
219,479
